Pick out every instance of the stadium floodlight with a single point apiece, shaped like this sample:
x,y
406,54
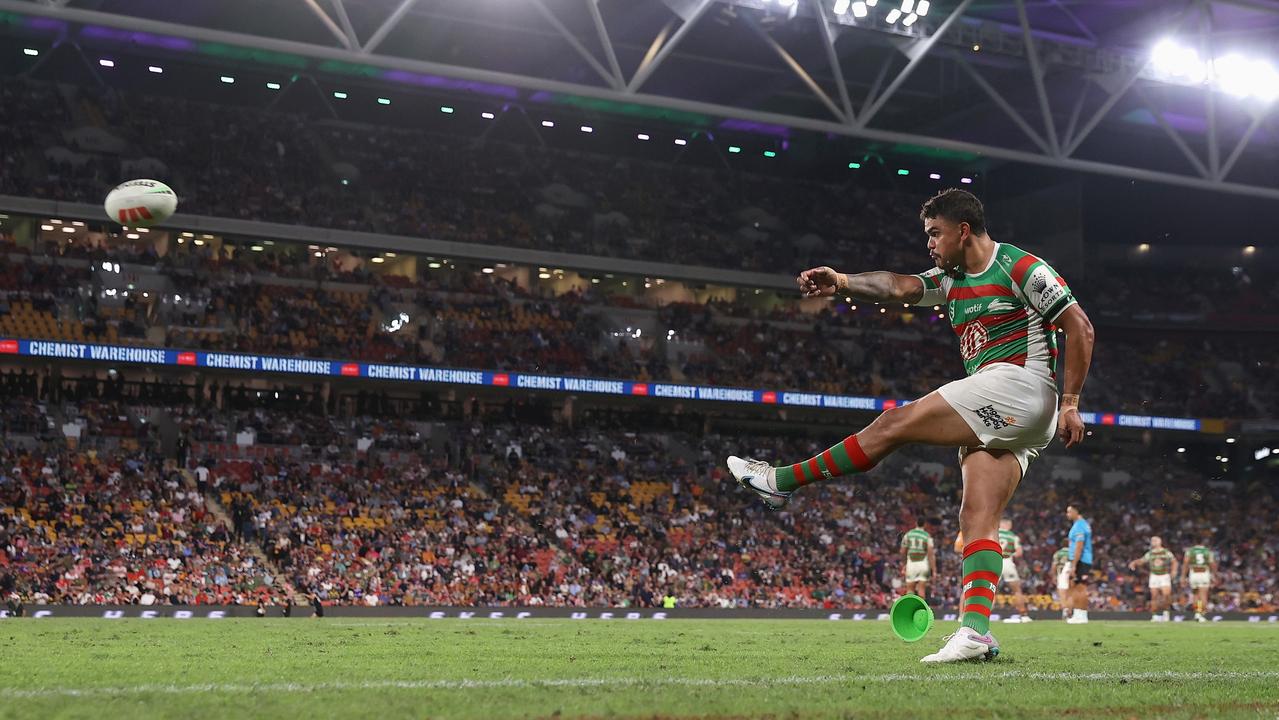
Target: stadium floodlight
x,y
106,63
921,9
841,6
966,180
1181,450
1249,249
383,101
378,259
47,228
903,171
30,51
588,129
1178,62
681,141
340,95
273,86
769,153
934,176
734,149
547,123
446,109
487,115
1262,453
908,7
910,20
487,270
227,79
893,16
872,3
642,136
859,10
1242,77
1230,441
854,166
155,69
786,3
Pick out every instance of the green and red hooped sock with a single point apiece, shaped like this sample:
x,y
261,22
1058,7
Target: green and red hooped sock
x,y
843,458
983,562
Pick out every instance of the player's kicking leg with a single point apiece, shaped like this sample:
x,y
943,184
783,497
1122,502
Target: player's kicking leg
x,y
930,421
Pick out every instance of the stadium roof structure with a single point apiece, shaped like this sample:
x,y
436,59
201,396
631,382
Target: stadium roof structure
x,y
1168,91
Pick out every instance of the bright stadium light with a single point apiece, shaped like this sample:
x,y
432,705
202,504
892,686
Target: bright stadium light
x,y
446,109
910,20
893,16
487,115
155,69
922,8
642,136
1261,454
908,7
966,180
734,149
786,3
859,9
854,166
934,176
106,63
1178,62
841,6
681,141
587,129
340,95
383,101
228,79
547,123
872,3
30,51
273,86
1243,77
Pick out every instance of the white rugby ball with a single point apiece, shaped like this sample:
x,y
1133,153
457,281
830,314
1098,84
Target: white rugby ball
x,y
141,203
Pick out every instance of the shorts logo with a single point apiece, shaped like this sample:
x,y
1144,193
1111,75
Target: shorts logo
x,y
991,418
973,340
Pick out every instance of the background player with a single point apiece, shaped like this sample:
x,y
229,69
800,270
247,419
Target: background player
x,y
1012,550
1080,545
1004,305
1061,574
1163,566
1200,565
921,560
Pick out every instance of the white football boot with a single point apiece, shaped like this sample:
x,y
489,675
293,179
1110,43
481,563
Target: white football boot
x,y
965,644
1199,617
1027,618
761,477
1078,618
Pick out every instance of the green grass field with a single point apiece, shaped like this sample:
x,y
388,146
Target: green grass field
x,y
101,669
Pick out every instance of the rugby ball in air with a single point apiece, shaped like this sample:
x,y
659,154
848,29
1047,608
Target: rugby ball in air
x,y
141,203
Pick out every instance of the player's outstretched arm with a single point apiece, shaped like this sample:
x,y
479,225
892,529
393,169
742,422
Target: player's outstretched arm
x,y
879,286
1079,343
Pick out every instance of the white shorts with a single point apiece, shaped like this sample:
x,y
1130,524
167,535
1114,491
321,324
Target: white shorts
x,y
917,571
1010,571
1158,582
1063,578
1008,407
1200,579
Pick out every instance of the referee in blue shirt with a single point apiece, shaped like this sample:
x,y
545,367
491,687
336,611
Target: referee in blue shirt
x,y
1080,563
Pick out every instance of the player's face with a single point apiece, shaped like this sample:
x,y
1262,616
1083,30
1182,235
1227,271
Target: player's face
x,y
946,241
1156,543
1071,513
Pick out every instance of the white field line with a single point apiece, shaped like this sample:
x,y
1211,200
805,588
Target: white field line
x,y
517,683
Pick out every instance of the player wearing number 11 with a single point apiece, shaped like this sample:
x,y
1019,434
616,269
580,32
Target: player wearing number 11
x,y
1004,305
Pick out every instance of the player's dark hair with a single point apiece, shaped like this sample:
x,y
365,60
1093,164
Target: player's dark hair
x,y
956,206
1078,506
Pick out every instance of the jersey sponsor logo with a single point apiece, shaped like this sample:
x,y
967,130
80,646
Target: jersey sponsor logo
x,y
973,340
1051,294
991,418
973,308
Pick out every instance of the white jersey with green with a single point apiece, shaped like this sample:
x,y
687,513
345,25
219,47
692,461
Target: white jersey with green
x,y
916,543
1004,313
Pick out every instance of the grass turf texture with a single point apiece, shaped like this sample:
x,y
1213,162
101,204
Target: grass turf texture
x,y
91,668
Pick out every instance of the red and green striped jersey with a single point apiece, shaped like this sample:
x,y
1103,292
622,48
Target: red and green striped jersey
x,y
916,543
1006,312
1160,561
1008,542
